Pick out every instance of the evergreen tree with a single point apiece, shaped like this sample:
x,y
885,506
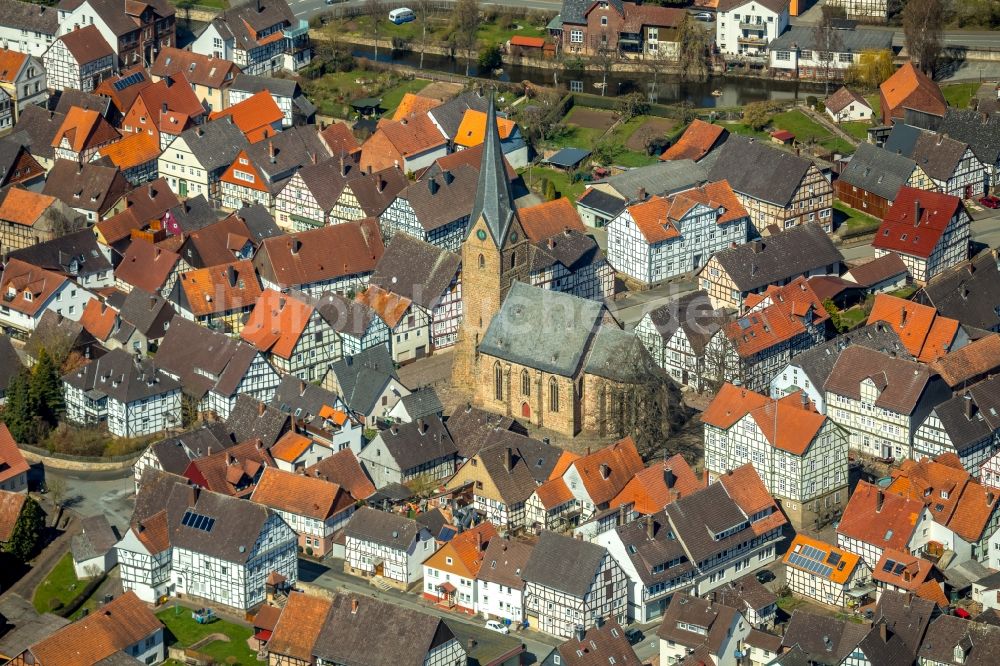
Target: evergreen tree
x,y
24,539
46,389
18,411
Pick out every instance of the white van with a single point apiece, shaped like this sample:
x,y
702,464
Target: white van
x,y
402,15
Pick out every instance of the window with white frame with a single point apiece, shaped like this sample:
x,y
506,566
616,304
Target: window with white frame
x,y
576,36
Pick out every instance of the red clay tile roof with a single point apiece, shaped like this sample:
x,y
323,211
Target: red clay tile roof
x,y
255,115
132,150
339,139
146,266
24,206
839,100
117,625
84,128
10,509
10,64
694,144
745,487
320,254
276,323
465,550
839,574
714,195
180,99
12,462
300,494
20,278
219,289
731,404
658,485
300,623
412,103
605,472
389,306
344,469
207,71
785,317
908,572
789,423
472,129
290,446
651,219
407,137
909,87
899,232
553,493
890,526
550,218
153,533
973,360
229,470
472,157
530,42
98,319
87,44
925,334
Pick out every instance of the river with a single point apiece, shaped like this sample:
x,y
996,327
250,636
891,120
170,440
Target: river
x,y
736,91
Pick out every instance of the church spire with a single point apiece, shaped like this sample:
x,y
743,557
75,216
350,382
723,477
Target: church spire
x,y
493,199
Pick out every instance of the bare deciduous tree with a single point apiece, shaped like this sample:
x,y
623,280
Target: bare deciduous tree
x,y
922,21
424,9
465,22
376,10
828,41
693,45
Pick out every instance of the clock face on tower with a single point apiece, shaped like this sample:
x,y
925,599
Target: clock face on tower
x,y
481,235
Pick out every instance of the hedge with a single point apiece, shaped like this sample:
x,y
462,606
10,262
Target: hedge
x,y
80,599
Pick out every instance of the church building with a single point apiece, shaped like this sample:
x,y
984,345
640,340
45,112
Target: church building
x,y
556,360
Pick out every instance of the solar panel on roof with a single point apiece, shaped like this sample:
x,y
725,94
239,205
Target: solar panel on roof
x,y
197,521
833,558
129,80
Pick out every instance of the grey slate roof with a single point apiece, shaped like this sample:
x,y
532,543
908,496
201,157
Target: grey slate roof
x,y
826,640
560,326
660,179
215,144
364,376
969,292
121,377
693,314
493,200
620,356
973,416
697,517
149,314
647,554
326,180
979,643
197,354
416,270
980,131
817,363
71,97
418,443
906,615
774,176
571,249
473,429
251,419
878,171
39,127
194,214
563,563
847,41
440,199
602,202
59,255
902,139
510,556
24,626
97,538
779,257
448,116
173,454
381,527
279,156
574,11
255,84
294,394
346,637
422,403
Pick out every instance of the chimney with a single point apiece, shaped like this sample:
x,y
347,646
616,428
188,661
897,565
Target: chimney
x,y
470,645
354,601
270,151
902,318
669,478
381,184
649,527
883,632
916,213
641,194
199,131
421,426
879,501
580,632
343,166
508,459
805,400
969,406
259,7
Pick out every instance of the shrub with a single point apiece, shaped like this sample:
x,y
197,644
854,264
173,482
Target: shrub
x,y
811,100
550,191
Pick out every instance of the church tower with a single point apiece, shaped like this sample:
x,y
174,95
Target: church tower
x,y
493,252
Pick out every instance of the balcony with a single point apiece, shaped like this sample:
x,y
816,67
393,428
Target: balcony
x,y
752,41
301,29
760,27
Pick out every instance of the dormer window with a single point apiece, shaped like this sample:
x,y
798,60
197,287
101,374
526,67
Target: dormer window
x,y
27,296
944,494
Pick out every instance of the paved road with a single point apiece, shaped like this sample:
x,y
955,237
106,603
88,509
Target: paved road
x,y
91,493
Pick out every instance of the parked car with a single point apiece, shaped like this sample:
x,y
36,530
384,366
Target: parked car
x,y
765,576
497,626
634,636
704,16
990,201
962,613
402,15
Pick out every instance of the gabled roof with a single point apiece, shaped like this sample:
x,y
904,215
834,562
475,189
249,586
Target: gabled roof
x,y
218,289
817,362
91,186
344,469
387,529
99,319
299,626
83,129
24,207
691,313
877,170
901,383
778,257
132,150
600,645
197,68
504,561
302,258
548,219
879,518
418,443
926,335
339,140
375,191
910,87
412,104
839,564
86,44
916,222
254,116
844,96
472,130
793,310
245,23
873,272
10,362
790,423
37,127
21,279
326,180
658,485
146,266
776,178
12,462
363,377
968,292
685,612
441,199
204,359
276,323
466,551
215,144
910,573
821,638
416,270
980,130
121,623
565,564
300,494
698,139
252,419
233,471
976,359
605,472
27,16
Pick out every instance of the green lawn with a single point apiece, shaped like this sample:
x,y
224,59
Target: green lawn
x,y
805,129
561,179
437,30
790,603
61,583
904,292
875,101
491,33
855,220
393,96
630,158
959,94
186,632
847,320
858,129
745,130
576,137
837,145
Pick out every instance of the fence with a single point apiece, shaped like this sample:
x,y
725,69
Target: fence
x,y
45,453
